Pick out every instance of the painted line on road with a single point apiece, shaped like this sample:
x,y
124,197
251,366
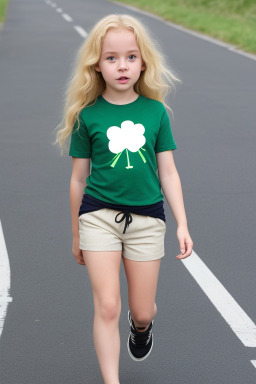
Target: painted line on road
x,y
80,31
237,319
230,47
199,35
67,17
5,280
253,363
230,310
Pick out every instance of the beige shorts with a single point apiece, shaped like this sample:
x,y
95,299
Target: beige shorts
x,y
142,241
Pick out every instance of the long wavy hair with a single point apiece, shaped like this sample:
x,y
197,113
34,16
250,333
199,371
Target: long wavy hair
x,y
85,84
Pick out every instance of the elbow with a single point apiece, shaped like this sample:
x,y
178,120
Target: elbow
x,y
75,180
170,174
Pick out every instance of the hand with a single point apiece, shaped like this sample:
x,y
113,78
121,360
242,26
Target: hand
x,y
78,254
185,241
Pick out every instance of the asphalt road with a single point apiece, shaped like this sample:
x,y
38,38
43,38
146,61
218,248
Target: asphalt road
x,y
47,334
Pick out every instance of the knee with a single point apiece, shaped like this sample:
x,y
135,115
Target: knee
x,y
142,318
109,309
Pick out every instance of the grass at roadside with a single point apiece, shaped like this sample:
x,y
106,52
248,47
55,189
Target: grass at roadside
x,y
3,8
232,21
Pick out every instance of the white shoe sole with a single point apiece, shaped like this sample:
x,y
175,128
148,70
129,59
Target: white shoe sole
x,y
143,358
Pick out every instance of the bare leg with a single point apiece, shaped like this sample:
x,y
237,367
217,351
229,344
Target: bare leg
x,y
142,278
144,328
104,269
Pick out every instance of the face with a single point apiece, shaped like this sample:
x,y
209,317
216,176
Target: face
x,y
120,62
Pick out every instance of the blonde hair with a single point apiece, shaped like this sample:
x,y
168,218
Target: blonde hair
x,y
86,84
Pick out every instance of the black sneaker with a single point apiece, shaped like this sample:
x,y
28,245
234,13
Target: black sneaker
x,y
139,344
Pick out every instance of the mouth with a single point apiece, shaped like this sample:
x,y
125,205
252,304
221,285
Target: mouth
x,y
122,78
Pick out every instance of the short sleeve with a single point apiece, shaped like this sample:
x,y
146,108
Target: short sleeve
x,y
165,140
80,144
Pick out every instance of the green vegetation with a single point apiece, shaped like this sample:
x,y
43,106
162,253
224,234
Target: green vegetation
x,y
232,21
3,8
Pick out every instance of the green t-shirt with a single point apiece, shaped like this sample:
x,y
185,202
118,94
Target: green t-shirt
x,y
121,141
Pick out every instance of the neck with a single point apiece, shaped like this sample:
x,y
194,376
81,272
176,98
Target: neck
x,y
120,98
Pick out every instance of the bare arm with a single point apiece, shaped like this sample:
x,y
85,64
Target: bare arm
x,y
81,170
171,185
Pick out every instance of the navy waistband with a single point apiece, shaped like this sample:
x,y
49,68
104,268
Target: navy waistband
x,y
90,204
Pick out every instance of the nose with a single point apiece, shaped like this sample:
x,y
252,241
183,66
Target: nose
x,y
122,64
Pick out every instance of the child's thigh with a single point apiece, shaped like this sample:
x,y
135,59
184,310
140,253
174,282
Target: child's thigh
x,y
104,271
142,279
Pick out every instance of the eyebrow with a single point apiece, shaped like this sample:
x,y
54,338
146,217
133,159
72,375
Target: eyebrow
x,y
109,52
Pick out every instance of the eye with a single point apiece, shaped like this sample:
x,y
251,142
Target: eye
x,y
111,58
132,57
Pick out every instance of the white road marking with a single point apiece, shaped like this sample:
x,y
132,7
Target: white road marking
x,y
234,315
5,280
67,17
81,31
238,320
190,32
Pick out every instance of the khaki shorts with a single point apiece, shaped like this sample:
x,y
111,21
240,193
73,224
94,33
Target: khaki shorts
x,y
143,239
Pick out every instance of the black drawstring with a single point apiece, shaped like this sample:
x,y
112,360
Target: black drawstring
x,y
127,216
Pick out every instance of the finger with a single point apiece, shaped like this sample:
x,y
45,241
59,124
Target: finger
x,y
182,246
183,256
188,253
82,259
82,256
79,261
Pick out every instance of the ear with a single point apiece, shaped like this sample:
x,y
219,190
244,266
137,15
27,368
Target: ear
x,y
143,66
97,68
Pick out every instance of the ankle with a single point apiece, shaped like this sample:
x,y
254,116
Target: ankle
x,y
142,329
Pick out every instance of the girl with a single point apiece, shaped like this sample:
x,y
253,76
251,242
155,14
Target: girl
x,y
120,137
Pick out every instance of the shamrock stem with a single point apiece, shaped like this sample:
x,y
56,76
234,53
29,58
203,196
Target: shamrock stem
x,y
116,159
143,158
129,166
